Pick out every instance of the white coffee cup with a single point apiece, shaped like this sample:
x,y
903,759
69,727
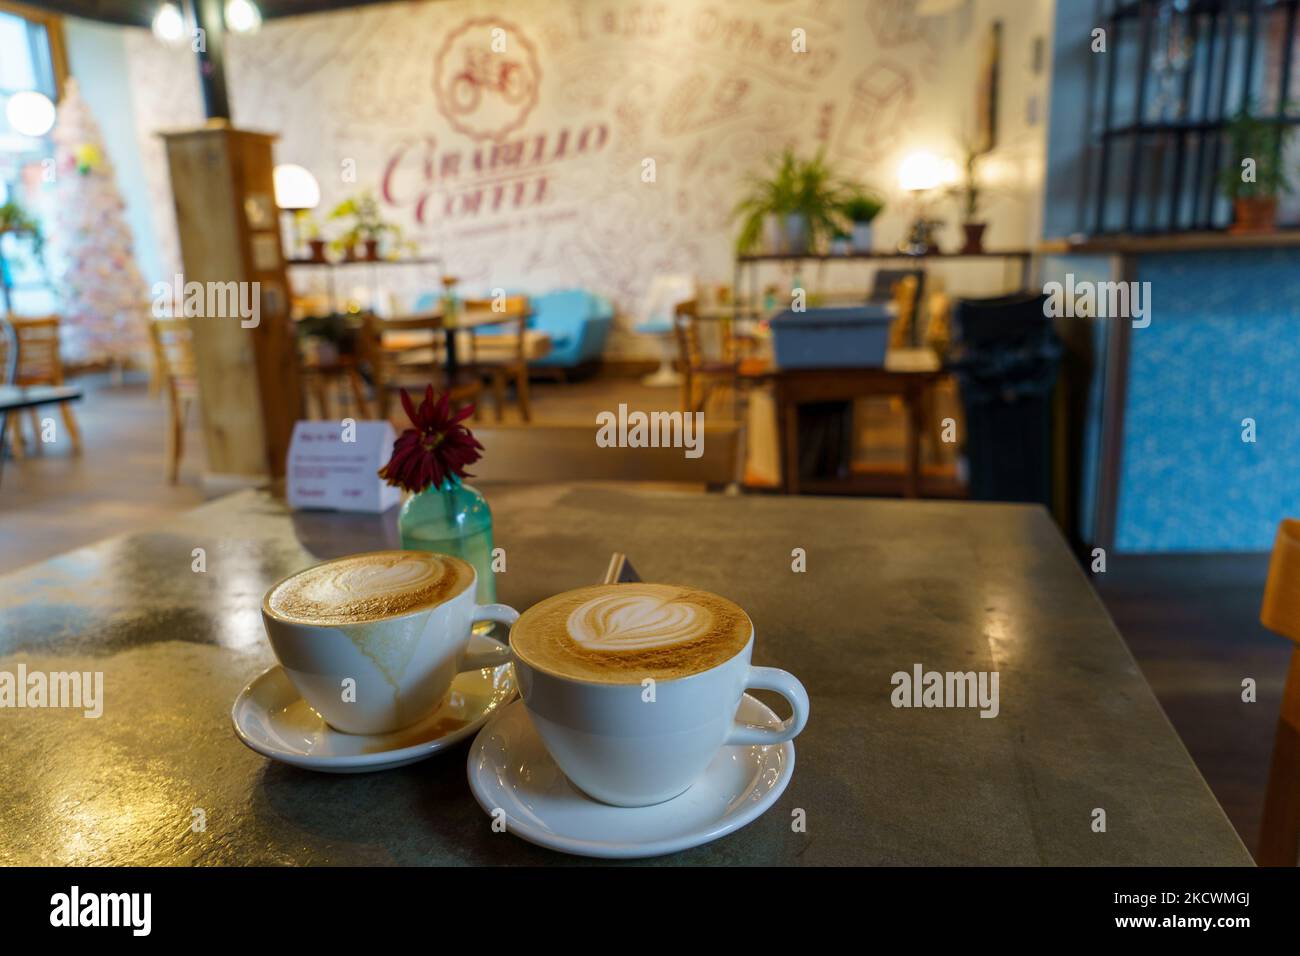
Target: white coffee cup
x,y
400,667
620,748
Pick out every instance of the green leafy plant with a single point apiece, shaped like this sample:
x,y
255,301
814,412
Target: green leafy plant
x,y
810,188
14,218
306,225
367,223
336,327
861,206
770,195
1263,141
819,195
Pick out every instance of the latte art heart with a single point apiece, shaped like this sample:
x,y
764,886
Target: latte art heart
x,y
633,619
368,587
363,581
626,633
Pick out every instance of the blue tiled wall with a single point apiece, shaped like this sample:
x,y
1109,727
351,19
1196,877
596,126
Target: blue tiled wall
x,y
1223,345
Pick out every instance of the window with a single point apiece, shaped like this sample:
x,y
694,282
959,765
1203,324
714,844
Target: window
x,y
31,58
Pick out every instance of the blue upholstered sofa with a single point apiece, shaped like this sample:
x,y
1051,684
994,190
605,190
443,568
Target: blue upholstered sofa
x,y
576,320
578,323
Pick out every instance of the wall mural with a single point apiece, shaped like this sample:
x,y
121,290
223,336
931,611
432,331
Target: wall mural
x,y
513,145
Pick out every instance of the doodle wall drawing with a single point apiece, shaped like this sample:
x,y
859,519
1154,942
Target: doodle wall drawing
x,y
511,138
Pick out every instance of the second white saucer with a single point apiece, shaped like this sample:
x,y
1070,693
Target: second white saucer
x,y
271,717
511,771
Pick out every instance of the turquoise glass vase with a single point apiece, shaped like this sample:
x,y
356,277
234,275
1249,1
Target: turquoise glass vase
x,y
452,518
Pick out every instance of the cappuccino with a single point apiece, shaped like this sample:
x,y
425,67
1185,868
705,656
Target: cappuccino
x,y
625,633
368,587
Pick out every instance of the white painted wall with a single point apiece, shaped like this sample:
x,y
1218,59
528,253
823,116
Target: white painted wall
x,y
706,88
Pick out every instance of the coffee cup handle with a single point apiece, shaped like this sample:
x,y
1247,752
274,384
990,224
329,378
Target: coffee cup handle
x,y
498,654
788,686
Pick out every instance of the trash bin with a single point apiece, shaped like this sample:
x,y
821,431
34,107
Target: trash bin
x,y
1006,358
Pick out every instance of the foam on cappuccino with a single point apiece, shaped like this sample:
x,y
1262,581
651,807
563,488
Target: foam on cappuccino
x,y
369,587
624,633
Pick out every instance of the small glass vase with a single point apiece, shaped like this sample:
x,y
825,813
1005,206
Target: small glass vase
x,y
453,519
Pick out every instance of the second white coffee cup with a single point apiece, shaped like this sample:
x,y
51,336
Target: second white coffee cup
x,y
618,747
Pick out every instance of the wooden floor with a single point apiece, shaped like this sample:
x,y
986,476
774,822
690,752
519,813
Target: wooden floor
x,y
54,501
1191,620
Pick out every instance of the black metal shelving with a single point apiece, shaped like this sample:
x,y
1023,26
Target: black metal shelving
x,y
1151,174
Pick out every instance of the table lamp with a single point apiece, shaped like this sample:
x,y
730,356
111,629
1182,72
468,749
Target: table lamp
x,y
296,192
920,174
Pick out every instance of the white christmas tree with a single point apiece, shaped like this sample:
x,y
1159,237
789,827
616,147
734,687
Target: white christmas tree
x,y
104,299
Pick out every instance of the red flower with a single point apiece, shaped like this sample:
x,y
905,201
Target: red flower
x,y
437,447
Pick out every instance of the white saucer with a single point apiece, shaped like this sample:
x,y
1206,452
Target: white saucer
x,y
509,769
272,718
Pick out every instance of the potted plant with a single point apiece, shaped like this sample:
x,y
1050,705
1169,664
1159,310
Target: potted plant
x,y
819,194
841,243
334,335
969,195
762,212
367,226
308,229
14,218
793,208
346,244
860,209
1254,189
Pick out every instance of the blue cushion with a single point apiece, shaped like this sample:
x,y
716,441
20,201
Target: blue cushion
x,y
653,327
576,320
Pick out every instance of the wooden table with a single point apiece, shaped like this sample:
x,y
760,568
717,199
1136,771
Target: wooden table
x,y
416,346
15,398
889,584
466,321
794,387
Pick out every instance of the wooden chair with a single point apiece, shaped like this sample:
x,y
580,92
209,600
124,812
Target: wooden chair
x,y
409,366
567,451
884,289
938,330
500,365
1279,839
173,355
39,363
902,329
701,376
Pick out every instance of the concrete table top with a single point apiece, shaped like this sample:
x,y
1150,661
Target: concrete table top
x,y
888,585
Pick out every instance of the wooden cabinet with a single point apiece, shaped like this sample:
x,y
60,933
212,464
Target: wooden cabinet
x,y
236,297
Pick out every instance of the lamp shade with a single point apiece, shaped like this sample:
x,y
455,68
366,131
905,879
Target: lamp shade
x,y
295,187
920,171
30,113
